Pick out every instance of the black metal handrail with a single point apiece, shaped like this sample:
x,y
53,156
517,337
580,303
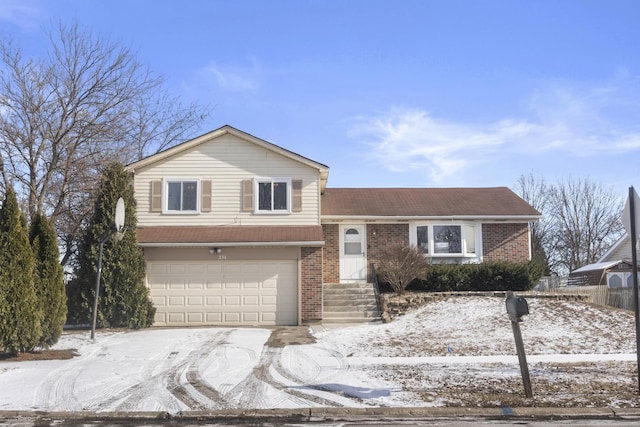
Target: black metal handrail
x,y
376,287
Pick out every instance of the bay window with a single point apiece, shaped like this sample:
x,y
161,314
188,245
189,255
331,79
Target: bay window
x,y
453,240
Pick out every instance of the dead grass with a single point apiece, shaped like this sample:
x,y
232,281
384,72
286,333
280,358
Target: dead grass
x,y
39,355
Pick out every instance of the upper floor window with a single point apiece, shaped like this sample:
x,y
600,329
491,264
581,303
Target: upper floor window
x,y
273,195
446,240
182,196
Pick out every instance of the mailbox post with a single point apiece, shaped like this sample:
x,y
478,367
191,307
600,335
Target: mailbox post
x,y
516,308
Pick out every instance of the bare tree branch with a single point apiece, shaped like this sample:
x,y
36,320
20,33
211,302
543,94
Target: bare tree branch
x,y
65,115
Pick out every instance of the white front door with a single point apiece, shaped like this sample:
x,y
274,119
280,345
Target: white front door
x,y
353,257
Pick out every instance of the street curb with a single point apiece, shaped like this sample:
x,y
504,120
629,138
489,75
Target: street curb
x,y
340,414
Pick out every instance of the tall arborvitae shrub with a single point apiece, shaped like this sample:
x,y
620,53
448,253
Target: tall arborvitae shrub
x,y
20,312
48,279
124,299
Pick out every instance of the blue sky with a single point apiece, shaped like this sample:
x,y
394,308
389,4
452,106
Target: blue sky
x,y
395,93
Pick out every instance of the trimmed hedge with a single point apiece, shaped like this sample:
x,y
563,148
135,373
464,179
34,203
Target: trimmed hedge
x,y
487,276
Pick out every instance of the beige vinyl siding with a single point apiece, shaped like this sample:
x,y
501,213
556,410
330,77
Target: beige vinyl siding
x,y
622,253
227,161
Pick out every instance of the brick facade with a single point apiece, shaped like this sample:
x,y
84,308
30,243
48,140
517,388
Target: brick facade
x,y
331,253
311,284
381,235
505,242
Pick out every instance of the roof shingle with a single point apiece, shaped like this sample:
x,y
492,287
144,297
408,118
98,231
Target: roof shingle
x,y
424,202
229,234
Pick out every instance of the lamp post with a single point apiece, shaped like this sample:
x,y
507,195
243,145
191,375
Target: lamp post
x,y
116,228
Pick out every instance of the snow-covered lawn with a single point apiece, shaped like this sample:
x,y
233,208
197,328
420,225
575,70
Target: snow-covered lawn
x,y
454,352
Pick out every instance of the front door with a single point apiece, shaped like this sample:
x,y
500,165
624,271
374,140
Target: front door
x,y
353,257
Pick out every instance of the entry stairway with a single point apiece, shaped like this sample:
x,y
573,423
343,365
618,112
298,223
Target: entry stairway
x,y
349,303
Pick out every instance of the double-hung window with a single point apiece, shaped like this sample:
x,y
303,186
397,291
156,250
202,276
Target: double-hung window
x,y
182,196
446,240
273,195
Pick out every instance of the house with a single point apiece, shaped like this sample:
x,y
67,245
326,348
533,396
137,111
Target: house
x,y
613,274
613,269
620,250
237,230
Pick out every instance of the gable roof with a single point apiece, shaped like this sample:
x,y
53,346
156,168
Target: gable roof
x,y
622,241
450,203
224,130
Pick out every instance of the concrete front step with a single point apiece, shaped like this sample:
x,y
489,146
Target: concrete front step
x,y
350,291
349,303
365,314
348,320
353,285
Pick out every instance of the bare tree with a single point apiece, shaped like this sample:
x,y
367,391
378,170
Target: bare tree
x,y
534,190
585,222
401,264
158,122
65,115
580,221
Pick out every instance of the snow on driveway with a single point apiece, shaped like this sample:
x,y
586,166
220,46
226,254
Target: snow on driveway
x,y
403,363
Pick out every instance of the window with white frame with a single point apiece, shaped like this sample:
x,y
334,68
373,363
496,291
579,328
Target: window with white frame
x,y
273,195
446,240
182,196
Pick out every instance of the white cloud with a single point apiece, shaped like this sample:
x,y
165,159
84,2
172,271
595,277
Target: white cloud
x,y
232,78
20,13
560,121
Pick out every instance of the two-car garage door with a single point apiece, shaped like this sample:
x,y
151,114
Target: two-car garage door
x,y
187,293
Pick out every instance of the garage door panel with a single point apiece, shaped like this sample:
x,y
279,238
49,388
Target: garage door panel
x,y
269,299
270,284
177,268
251,285
232,300
268,317
224,292
214,318
233,284
250,300
196,268
195,318
213,284
157,269
175,317
159,301
251,317
250,268
176,283
197,300
231,268
214,301
233,317
175,301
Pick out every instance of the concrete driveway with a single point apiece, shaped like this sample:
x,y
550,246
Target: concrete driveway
x,y
177,370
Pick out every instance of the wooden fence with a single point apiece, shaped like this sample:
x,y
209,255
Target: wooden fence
x,y
614,297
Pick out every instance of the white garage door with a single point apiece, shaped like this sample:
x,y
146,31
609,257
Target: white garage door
x,y
225,292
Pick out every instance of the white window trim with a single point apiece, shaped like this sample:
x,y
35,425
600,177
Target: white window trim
x,y
256,195
413,238
165,196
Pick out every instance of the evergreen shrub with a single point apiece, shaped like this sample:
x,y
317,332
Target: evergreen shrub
x,y
487,276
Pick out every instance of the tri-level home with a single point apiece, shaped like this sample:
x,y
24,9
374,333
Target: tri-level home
x,y
237,230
